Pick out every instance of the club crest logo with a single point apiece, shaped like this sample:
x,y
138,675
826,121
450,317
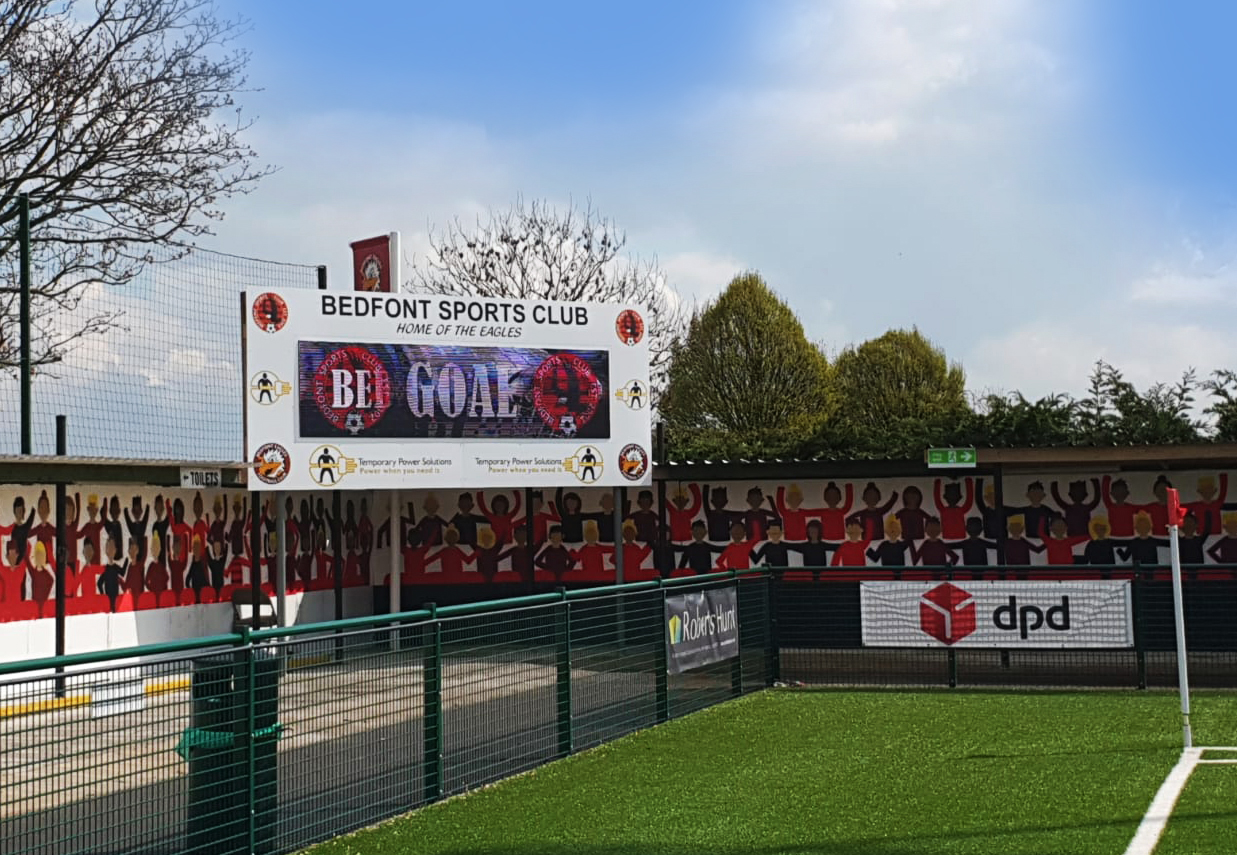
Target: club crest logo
x,y
566,393
352,389
265,388
271,463
634,395
586,464
328,465
270,312
630,327
371,272
633,462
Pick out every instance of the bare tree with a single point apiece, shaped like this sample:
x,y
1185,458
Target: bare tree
x,y
112,118
534,252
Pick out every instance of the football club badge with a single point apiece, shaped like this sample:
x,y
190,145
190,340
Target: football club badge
x,y
270,312
566,393
630,327
272,463
633,462
352,389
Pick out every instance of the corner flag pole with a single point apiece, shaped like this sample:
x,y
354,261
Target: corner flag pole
x,y
1175,516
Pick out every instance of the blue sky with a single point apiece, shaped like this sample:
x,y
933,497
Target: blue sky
x,y
1035,184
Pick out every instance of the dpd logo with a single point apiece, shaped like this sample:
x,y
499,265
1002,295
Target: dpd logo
x,y
947,613
1027,619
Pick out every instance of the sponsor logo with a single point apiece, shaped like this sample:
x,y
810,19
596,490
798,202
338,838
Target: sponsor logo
x,y
1028,619
634,395
947,613
630,327
265,388
270,312
272,463
586,464
352,388
566,393
328,465
695,626
633,462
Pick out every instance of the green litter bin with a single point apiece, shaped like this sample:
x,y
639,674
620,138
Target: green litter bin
x,y
233,754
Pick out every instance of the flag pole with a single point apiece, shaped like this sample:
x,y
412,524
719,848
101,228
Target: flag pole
x,y
1175,515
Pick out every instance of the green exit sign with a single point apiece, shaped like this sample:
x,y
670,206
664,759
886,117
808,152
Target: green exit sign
x,y
946,458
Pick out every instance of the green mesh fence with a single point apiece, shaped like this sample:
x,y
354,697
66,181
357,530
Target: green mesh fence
x,y
269,742
163,377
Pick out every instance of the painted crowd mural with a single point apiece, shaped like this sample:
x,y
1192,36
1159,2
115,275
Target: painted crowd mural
x,y
131,549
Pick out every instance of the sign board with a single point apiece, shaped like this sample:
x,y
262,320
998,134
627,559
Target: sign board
x,y
701,628
201,479
997,614
372,391
375,264
952,458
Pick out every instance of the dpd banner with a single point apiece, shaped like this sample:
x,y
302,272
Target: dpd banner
x,y
701,628
1044,614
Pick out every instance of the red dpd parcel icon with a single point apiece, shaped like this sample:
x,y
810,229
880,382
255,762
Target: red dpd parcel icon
x,y
947,613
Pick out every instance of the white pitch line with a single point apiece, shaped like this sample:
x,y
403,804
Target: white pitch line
x,y
1217,762
1153,824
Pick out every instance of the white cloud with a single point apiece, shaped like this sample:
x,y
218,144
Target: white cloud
x,y
869,73
700,275
1165,285
1041,360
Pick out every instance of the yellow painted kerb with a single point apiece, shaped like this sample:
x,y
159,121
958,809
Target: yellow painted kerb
x,y
153,687
48,705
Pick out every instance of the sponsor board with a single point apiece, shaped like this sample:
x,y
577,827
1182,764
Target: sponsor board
x,y
702,627
449,391
1000,614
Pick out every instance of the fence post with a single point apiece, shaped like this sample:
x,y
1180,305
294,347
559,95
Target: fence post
x,y
661,676
23,240
951,654
1140,647
431,689
736,667
566,734
61,558
773,653
250,728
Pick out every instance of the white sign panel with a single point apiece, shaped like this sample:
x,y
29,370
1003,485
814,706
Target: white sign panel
x,y
371,391
1006,615
200,479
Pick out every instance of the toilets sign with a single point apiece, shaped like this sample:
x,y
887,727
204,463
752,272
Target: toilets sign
x,y
373,390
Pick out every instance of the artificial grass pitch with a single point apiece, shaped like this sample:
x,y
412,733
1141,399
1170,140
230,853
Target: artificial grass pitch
x,y
827,773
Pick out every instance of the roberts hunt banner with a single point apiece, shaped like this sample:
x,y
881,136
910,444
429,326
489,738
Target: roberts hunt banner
x,y
1005,615
701,628
363,391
